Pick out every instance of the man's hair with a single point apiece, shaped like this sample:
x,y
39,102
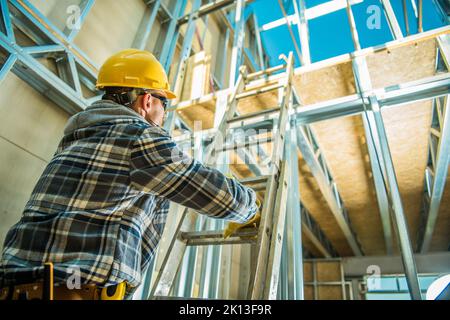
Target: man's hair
x,y
121,95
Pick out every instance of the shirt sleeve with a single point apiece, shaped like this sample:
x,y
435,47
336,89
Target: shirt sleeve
x,y
159,167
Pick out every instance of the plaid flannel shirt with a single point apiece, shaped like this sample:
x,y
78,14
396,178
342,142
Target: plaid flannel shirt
x,y
101,204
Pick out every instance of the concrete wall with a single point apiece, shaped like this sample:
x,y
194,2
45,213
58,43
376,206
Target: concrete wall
x,y
111,26
30,129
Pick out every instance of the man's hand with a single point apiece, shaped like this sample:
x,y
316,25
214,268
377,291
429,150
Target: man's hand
x,y
232,227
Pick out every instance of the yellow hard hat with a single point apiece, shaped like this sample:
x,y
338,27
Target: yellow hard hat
x,y
134,68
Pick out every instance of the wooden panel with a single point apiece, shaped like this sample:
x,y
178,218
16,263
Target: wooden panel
x,y
344,146
402,64
407,128
308,272
262,101
308,292
201,112
328,271
327,292
315,203
325,84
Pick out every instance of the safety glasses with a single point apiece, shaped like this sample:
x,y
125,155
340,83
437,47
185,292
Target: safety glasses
x,y
164,100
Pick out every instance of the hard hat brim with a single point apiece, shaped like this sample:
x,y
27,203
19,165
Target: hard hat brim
x,y
170,94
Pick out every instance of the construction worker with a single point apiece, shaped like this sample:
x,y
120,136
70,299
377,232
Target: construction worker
x,y
98,211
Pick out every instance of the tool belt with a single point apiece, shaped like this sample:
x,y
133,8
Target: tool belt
x,y
46,290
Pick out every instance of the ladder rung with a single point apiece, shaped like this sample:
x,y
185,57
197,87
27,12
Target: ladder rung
x,y
253,115
256,183
256,126
215,237
259,91
435,132
259,187
265,72
254,180
246,144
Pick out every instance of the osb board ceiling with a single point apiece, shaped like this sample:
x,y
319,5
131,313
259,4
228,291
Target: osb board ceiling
x,y
325,84
402,64
203,112
316,205
343,144
267,100
408,128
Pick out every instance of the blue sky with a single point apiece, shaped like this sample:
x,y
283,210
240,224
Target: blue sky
x,y
330,35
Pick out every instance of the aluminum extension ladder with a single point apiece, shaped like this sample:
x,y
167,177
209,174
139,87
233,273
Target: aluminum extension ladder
x,y
267,240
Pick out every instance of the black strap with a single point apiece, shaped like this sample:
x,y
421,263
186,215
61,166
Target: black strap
x,y
48,283
123,98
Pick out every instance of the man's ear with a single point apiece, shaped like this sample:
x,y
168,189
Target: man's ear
x,y
146,102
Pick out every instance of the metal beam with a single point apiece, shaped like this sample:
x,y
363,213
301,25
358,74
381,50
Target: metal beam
x,y
392,96
438,158
378,131
238,42
172,35
55,35
410,92
436,262
291,33
392,20
85,8
353,29
42,50
419,18
7,66
43,80
302,24
224,55
405,16
438,166
141,38
209,8
310,13
7,20
184,55
364,85
293,246
259,44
